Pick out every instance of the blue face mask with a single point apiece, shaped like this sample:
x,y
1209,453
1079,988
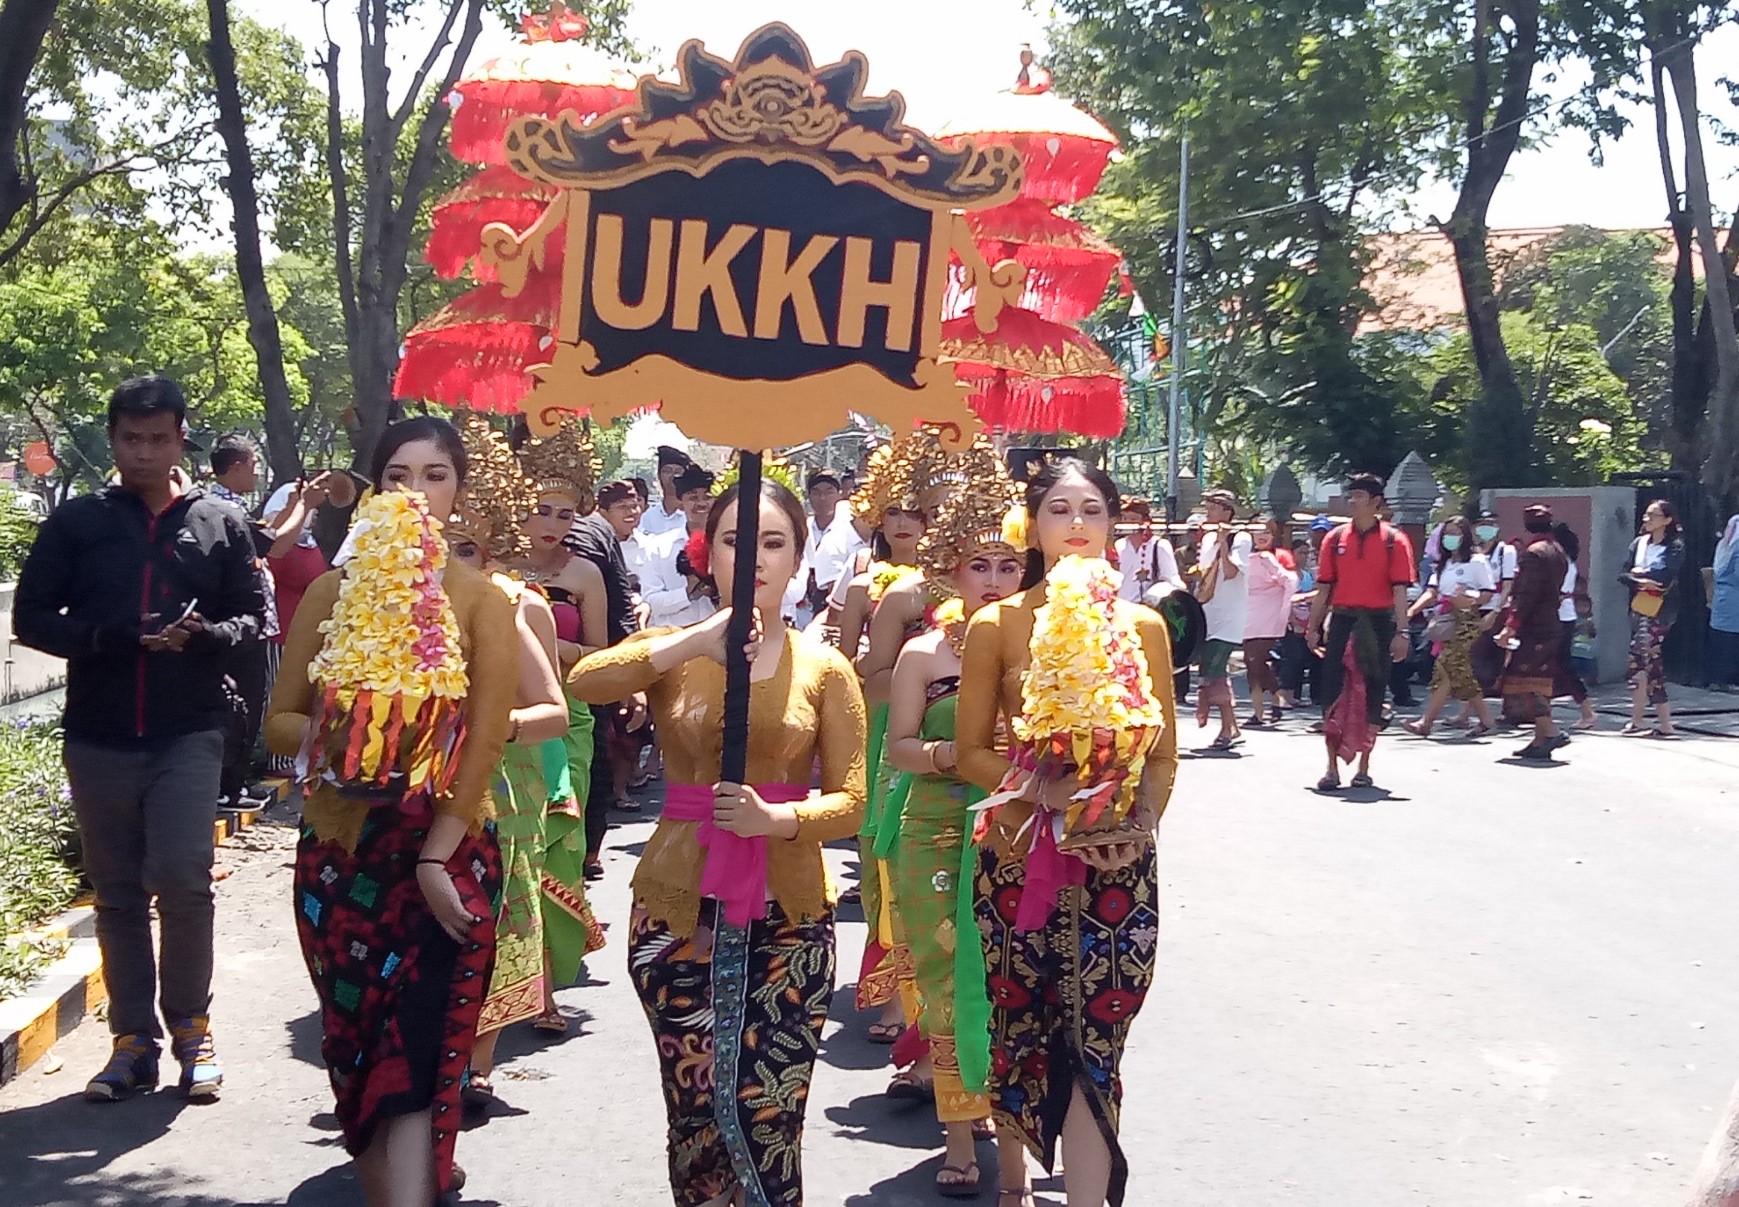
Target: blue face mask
x,y
1452,542
1486,532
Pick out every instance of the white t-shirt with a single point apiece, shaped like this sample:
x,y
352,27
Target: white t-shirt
x,y
1474,575
656,521
1144,567
1567,608
279,503
1227,610
664,588
1503,561
1646,554
829,551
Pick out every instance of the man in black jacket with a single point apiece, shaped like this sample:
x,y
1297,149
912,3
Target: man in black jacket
x,y
148,590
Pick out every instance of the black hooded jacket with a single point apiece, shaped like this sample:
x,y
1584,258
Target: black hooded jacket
x,y
99,565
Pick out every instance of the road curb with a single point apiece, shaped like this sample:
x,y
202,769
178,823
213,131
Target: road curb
x,y
73,986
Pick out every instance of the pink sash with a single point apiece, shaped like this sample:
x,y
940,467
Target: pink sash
x,y
1048,871
736,868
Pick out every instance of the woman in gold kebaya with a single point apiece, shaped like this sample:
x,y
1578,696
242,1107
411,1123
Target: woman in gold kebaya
x,y
1067,884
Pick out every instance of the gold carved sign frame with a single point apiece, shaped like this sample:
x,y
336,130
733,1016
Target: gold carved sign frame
x,y
758,248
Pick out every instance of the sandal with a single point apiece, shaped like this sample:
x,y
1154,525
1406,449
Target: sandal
x,y
907,1086
1665,735
477,1092
1633,730
963,1184
1417,728
1223,743
1477,732
1255,721
1328,783
1584,724
551,1022
886,1033
1363,781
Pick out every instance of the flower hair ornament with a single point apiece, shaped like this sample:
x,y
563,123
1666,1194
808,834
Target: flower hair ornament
x,y
390,679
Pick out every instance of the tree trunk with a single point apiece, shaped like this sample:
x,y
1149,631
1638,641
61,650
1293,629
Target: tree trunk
x,y
1721,469
1500,433
281,451
23,26
388,208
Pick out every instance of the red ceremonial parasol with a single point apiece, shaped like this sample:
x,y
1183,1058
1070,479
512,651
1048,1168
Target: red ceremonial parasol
x,y
1034,375
1068,266
1063,148
553,72
474,352
496,194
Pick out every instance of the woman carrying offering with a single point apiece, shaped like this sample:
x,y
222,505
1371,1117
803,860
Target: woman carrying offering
x,y
482,529
1460,586
928,816
1656,558
398,715
1067,882
731,943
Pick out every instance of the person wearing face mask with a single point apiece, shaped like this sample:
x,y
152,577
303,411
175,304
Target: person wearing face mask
x,y
731,939
398,871
925,823
1062,1006
1460,584
1486,657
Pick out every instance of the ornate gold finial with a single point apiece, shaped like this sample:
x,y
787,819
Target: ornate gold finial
x,y
971,518
496,498
562,463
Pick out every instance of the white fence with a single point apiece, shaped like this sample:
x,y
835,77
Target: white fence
x,y
25,672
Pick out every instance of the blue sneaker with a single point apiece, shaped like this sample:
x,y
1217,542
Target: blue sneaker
x,y
132,1068
201,1075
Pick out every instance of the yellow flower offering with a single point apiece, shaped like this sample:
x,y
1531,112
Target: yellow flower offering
x,y
884,576
1087,699
390,673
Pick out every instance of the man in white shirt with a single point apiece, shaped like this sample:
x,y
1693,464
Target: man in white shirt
x,y
674,595
1146,561
833,539
667,514
1223,558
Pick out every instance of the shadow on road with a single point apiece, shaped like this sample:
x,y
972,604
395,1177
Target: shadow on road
x,y
56,1152
878,1119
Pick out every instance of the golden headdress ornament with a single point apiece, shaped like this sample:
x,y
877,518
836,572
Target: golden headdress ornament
x,y
564,463
972,516
496,497
908,473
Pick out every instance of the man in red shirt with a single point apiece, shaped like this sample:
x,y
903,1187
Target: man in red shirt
x,y
1363,573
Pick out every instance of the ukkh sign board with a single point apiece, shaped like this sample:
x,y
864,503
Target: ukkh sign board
x,y
758,248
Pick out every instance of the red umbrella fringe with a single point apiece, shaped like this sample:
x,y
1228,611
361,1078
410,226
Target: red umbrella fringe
x,y
456,234
455,376
537,305
1066,175
1026,342
487,109
1025,220
1093,407
1059,294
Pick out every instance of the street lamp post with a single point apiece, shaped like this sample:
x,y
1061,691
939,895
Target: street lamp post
x,y
1174,410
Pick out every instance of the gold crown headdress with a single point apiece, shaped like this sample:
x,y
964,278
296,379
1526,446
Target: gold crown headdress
x,y
972,516
496,498
908,473
564,463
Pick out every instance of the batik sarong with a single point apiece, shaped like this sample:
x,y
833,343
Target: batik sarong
x,y
736,1012
399,999
932,828
1454,668
570,931
1063,996
516,989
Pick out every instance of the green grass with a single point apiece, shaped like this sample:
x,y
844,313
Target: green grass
x,y
39,848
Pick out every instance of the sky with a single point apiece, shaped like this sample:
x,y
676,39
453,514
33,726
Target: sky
x,y
970,47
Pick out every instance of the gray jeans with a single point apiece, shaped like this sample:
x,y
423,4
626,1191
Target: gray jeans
x,y
146,819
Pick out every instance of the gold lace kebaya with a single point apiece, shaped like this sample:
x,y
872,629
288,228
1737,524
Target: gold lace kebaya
x,y
810,708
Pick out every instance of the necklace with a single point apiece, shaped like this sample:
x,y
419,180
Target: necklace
x,y
954,633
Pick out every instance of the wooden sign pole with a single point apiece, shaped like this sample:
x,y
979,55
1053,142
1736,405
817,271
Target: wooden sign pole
x,y
733,765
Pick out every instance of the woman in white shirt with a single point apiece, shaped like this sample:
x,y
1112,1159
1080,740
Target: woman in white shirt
x,y
1461,585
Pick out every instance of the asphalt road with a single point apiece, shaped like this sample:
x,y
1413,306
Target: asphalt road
x,y
1478,984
